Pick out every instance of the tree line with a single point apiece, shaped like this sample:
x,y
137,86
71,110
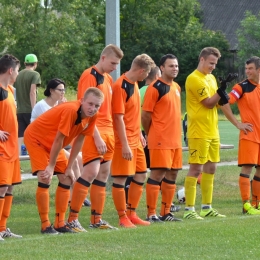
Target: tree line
x,y
68,35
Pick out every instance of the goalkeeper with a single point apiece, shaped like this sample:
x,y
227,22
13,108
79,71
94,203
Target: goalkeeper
x,y
247,96
202,97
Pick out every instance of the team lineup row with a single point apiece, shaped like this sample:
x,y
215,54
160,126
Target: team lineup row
x,y
105,124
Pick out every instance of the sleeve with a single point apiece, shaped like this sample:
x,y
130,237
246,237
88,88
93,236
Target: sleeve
x,y
235,94
36,79
199,88
67,120
118,100
86,82
150,99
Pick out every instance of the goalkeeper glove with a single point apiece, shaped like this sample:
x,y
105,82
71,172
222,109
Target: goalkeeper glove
x,y
223,86
229,78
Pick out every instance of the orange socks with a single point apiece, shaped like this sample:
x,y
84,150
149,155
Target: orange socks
x,y
97,198
134,195
42,200
168,190
118,194
244,185
80,191
255,191
7,204
61,203
152,193
2,202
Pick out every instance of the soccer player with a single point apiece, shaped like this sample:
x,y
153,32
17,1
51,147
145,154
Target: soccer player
x,y
54,92
154,74
45,137
98,149
26,93
129,157
9,154
247,96
202,97
161,119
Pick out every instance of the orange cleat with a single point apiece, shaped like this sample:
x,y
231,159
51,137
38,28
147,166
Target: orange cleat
x,y
126,223
137,221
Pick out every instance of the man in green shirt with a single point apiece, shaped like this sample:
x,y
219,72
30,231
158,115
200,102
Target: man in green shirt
x,y
26,89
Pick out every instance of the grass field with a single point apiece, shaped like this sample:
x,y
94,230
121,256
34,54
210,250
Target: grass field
x,y
235,237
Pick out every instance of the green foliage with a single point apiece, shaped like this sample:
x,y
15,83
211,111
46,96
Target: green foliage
x,y
66,37
248,37
170,26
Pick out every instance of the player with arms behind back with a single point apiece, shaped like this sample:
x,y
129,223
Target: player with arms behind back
x,y
161,119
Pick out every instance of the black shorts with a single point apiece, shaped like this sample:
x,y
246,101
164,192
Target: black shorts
x,y
23,121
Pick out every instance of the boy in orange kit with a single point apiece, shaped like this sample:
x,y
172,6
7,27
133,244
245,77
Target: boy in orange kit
x,y
45,137
9,154
129,157
98,149
161,119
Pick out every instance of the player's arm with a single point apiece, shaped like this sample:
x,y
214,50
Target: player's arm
x,y
76,148
121,131
210,102
142,139
245,127
146,121
55,149
33,95
99,142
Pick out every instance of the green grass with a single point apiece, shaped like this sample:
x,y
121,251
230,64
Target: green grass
x,y
235,237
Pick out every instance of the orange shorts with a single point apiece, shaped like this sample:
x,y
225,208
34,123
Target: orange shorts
x,y
170,159
10,173
121,167
39,158
90,153
248,153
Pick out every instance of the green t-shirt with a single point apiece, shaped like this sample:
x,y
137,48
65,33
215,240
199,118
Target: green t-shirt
x,y
142,91
23,84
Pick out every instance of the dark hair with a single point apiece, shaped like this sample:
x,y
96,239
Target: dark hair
x,y
255,60
53,83
165,57
8,61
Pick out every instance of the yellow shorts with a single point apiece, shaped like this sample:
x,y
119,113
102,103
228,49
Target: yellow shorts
x,y
39,157
90,153
121,167
203,150
166,159
248,153
10,173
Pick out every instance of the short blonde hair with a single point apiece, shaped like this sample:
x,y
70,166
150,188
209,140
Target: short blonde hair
x,y
112,49
95,91
209,51
143,61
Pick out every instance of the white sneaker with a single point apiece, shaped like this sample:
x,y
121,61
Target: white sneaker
x,y
8,233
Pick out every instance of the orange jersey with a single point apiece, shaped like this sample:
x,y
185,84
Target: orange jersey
x,y
126,101
65,118
8,123
91,77
164,102
247,96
